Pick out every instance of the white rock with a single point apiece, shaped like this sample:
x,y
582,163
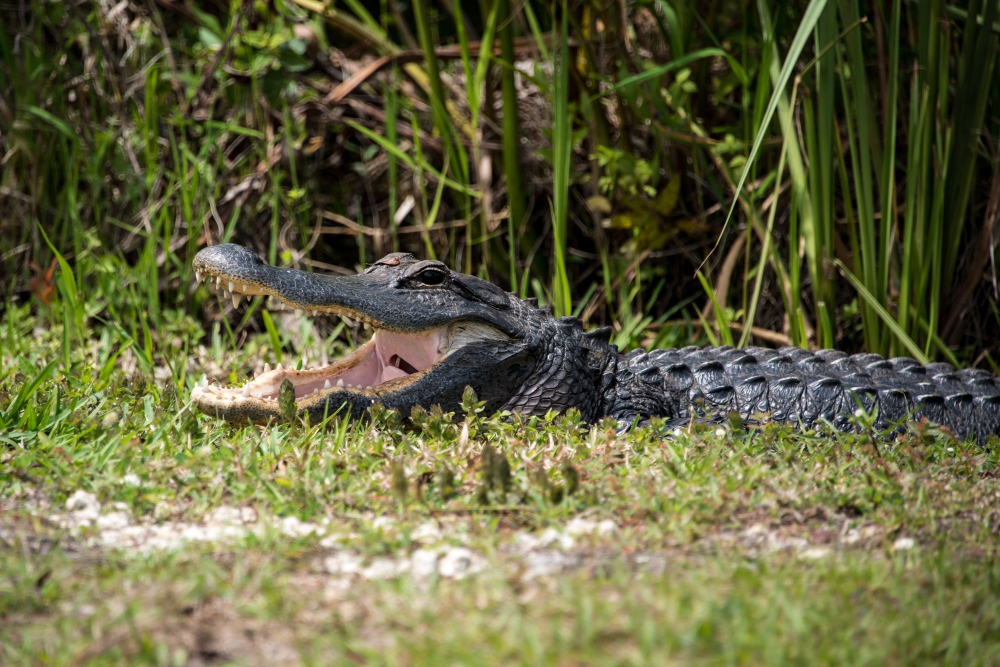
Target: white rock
x,y
423,563
551,537
459,562
293,527
83,506
903,543
131,479
814,553
342,562
384,568
855,535
427,531
231,515
543,562
113,522
579,526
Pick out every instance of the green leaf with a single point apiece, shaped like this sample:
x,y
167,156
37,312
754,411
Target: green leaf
x,y
286,399
883,314
209,39
666,201
802,35
27,390
393,149
273,333
659,71
57,123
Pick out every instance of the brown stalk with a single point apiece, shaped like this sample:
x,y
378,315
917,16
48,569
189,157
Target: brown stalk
x,y
764,334
522,49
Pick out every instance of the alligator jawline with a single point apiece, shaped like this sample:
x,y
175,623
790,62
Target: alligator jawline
x,y
388,362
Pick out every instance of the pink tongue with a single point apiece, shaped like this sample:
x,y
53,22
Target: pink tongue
x,y
419,351
391,373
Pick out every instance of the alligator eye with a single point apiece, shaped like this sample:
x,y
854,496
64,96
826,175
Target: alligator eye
x,y
431,277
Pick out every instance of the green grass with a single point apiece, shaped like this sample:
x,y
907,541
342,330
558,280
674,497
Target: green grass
x,y
780,548
857,143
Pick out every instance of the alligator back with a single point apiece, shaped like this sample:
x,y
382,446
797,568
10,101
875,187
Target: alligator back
x,y
796,385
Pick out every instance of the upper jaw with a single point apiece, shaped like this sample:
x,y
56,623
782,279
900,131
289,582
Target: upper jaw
x,y
374,298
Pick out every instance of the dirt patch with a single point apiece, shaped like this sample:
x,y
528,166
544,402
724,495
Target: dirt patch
x,y
213,632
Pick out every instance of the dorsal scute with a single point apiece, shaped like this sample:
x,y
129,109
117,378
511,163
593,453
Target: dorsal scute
x,y
569,322
603,334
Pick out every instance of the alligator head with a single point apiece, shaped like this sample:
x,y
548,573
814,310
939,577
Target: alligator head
x,y
436,331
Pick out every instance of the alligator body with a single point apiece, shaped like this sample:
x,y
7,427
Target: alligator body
x,y
438,331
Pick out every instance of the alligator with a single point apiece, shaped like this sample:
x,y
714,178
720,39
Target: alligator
x,y
437,331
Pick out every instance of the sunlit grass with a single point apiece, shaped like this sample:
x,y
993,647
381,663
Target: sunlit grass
x,y
722,544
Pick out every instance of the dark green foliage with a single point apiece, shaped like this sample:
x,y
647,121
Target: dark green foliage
x,y
638,128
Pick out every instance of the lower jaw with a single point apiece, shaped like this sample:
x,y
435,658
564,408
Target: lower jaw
x,y
316,390
232,407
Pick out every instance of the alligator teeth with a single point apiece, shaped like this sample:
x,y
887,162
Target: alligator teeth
x,y
218,282
340,383
326,385
298,312
197,276
368,387
316,390
315,312
279,367
232,287
236,300
367,326
350,386
246,391
244,288
349,321
267,367
203,380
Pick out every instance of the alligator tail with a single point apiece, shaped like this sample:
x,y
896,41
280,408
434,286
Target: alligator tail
x,y
796,385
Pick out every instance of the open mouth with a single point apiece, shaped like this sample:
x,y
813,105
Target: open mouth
x,y
387,362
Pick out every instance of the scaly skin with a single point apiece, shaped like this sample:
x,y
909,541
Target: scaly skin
x,y
518,357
